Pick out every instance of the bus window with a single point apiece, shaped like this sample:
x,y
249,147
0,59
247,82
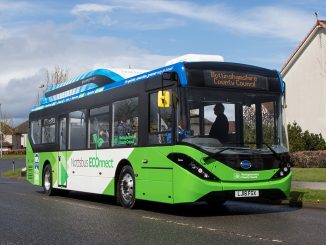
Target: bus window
x,y
210,117
99,127
77,130
268,122
48,130
194,121
125,122
36,131
160,122
63,134
249,123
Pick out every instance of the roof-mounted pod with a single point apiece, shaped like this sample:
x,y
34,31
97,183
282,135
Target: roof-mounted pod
x,y
81,84
196,58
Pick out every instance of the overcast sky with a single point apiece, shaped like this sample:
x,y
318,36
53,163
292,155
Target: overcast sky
x,y
81,36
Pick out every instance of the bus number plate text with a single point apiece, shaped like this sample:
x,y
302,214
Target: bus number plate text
x,y
247,193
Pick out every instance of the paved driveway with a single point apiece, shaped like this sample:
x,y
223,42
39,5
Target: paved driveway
x,y
309,185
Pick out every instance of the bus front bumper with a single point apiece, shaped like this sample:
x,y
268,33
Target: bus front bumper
x,y
273,189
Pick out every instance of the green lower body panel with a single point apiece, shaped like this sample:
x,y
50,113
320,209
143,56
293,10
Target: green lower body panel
x,y
190,189
157,177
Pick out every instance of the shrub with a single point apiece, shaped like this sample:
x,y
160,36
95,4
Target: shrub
x,y
309,159
304,141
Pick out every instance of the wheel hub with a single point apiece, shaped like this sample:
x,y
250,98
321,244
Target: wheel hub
x,y
47,178
127,187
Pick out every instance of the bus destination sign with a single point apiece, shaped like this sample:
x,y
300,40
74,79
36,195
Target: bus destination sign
x,y
228,79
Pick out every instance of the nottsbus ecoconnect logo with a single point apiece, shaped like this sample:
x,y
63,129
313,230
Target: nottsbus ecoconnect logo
x,y
91,162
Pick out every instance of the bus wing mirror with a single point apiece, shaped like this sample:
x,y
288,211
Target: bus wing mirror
x,y
163,99
284,96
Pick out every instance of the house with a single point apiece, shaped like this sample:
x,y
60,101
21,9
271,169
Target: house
x,y
304,74
6,146
5,137
19,136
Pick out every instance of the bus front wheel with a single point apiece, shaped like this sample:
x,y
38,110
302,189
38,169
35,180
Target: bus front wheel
x,y
47,180
126,187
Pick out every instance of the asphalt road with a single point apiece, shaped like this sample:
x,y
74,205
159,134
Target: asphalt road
x,y
27,216
6,164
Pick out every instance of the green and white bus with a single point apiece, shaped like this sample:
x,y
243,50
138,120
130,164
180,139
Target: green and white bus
x,y
148,137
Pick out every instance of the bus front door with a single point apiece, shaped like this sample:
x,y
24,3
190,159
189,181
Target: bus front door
x,y
62,156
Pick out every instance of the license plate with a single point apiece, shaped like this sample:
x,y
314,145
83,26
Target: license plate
x,y
247,193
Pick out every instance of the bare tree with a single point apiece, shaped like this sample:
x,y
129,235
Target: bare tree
x,y
54,77
58,75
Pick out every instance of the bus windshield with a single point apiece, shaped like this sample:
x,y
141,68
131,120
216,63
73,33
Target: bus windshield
x,y
233,120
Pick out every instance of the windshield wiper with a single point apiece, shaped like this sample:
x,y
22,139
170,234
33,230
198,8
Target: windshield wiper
x,y
225,148
228,148
239,148
242,148
268,146
272,150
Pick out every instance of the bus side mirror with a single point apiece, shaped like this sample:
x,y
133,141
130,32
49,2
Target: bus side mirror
x,y
284,96
163,99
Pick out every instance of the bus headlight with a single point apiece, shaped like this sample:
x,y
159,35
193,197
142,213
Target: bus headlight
x,y
192,166
283,171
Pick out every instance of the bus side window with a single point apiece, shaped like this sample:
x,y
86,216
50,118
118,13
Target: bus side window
x,y
125,122
77,130
99,128
160,122
48,130
194,121
36,131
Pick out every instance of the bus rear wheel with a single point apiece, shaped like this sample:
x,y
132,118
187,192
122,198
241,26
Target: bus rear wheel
x,y
47,180
126,187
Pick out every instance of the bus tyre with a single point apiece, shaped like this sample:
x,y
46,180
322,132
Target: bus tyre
x,y
47,180
126,187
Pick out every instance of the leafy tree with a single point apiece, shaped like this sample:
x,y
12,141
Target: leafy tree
x,y
296,142
304,141
313,142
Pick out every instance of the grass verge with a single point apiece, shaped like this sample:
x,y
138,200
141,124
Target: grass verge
x,y
308,195
13,156
11,174
309,174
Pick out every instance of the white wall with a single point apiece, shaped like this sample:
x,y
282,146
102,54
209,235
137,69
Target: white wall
x,y
306,87
8,138
24,140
